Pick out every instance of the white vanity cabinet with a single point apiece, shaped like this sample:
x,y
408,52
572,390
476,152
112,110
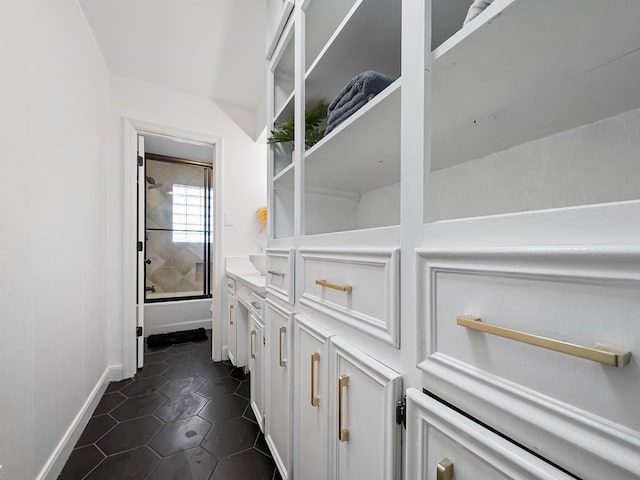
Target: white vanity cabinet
x,y
231,321
257,362
279,390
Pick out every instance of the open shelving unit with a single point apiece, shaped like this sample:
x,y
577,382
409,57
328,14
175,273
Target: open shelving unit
x,y
559,72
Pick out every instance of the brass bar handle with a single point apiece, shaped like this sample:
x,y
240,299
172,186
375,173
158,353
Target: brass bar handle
x,y
315,400
444,470
256,305
276,274
230,285
343,433
253,343
342,288
283,361
230,314
602,354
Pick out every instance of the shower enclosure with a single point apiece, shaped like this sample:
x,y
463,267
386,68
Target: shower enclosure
x,y
178,225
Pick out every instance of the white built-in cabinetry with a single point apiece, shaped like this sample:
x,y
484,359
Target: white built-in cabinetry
x,y
470,235
257,359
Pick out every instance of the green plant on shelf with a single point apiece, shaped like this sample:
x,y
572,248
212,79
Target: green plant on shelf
x,y
313,133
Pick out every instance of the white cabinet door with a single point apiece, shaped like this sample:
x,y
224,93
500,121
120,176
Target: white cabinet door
x,y
364,438
256,367
311,401
278,423
231,326
439,438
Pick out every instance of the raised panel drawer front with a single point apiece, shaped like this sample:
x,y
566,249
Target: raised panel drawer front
x,y
538,328
231,285
280,274
445,445
358,287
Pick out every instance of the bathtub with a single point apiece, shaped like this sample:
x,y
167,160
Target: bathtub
x,y
164,317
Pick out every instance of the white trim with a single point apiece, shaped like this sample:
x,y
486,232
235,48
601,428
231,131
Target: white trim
x,y
60,455
132,127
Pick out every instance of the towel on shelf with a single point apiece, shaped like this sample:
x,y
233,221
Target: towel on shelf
x,y
362,88
476,8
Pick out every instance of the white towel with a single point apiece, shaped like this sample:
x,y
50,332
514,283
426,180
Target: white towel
x,y
476,8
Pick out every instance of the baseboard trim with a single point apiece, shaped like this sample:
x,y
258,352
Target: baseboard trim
x,y
225,352
178,326
60,455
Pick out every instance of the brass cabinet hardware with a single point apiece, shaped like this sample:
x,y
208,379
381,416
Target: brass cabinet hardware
x,y
444,470
283,362
230,285
315,400
342,288
277,274
605,355
253,343
230,314
256,305
343,433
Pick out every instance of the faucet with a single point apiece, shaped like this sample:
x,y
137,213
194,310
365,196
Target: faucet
x,y
151,289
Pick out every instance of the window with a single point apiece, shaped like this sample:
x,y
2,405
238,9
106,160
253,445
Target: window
x,y
188,214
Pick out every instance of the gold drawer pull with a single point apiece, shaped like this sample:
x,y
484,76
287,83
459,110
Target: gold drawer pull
x,y
253,343
343,433
606,355
230,314
315,400
276,274
283,362
256,305
230,285
444,470
342,288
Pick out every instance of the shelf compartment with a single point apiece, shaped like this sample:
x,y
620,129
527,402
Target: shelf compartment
x,y
545,79
286,111
355,47
286,174
284,203
283,70
363,153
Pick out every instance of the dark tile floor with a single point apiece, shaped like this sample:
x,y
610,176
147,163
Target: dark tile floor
x,y
182,417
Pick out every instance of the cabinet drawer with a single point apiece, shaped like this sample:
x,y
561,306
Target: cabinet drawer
x,y
231,285
439,438
563,296
359,288
280,274
257,305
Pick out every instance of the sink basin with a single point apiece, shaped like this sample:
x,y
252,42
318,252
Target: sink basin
x,y
259,261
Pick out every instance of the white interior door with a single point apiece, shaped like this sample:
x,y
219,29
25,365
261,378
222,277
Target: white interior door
x,y
141,253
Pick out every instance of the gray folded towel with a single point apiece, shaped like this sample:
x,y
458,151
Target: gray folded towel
x,y
476,8
362,88
340,115
369,82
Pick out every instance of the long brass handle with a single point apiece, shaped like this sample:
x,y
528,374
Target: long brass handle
x,y
253,343
256,305
277,274
283,362
315,400
342,288
230,314
343,433
444,470
602,354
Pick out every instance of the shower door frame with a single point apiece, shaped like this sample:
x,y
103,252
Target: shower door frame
x,y
133,128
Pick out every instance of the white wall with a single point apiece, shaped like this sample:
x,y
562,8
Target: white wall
x,y
243,172
54,97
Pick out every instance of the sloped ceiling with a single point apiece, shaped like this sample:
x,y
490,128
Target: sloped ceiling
x,y
209,48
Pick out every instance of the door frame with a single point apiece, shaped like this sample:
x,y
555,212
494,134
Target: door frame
x,y
133,128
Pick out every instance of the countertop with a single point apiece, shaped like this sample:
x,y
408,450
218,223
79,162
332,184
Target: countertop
x,y
240,269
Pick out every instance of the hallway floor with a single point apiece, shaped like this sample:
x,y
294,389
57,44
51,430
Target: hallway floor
x,y
182,417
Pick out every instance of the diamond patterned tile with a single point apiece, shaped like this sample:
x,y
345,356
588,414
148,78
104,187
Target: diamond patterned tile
x,y
249,415
261,444
194,464
155,357
183,370
238,374
223,408
152,370
132,465
138,406
181,386
129,434
144,386
116,386
108,402
181,407
246,465
219,386
245,389
178,358
231,436
81,461
180,435
214,371
95,429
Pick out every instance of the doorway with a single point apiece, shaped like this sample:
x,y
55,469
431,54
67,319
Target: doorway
x,y
172,214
